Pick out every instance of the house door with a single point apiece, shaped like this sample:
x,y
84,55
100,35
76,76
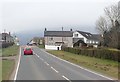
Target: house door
x,y
57,48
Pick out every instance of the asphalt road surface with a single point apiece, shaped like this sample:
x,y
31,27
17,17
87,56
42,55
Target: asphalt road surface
x,y
44,66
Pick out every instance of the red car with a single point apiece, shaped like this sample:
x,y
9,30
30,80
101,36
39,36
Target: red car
x,y
28,51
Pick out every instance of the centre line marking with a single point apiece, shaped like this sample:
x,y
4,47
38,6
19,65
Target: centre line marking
x,y
65,78
38,56
46,63
41,59
54,70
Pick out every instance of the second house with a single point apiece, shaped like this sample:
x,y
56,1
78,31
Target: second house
x,y
54,40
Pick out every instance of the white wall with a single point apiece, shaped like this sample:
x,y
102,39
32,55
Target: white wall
x,y
95,46
79,36
52,47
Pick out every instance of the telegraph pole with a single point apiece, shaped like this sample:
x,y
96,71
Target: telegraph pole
x,y
62,36
5,34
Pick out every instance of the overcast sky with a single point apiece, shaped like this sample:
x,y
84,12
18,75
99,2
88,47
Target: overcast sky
x,y
22,15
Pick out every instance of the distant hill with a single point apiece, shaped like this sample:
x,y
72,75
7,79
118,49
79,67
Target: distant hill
x,y
26,36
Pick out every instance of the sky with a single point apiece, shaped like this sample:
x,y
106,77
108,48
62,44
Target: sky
x,y
32,16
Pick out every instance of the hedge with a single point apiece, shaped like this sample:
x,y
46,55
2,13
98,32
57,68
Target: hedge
x,y
97,53
5,44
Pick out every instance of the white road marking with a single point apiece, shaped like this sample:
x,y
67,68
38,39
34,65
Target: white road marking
x,y
37,56
65,78
33,52
46,63
18,64
79,66
42,59
54,70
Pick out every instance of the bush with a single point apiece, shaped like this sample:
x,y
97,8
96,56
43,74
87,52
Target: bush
x,y
97,53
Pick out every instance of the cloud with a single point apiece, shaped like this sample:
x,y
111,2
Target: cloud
x,y
20,15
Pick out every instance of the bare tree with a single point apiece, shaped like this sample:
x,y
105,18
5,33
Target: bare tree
x,y
101,25
109,25
112,12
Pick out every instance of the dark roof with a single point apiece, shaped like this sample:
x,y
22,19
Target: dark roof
x,y
88,35
58,33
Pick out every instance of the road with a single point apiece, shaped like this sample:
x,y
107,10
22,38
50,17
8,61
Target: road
x,y
44,66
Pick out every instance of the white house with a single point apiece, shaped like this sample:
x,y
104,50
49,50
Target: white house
x,y
80,37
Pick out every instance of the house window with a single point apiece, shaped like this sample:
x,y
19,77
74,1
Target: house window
x,y
90,41
76,35
86,34
97,42
51,38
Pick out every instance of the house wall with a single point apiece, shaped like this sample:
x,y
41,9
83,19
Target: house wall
x,y
9,39
52,47
79,36
68,41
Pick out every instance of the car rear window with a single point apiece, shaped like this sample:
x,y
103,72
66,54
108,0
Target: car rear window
x,y
27,48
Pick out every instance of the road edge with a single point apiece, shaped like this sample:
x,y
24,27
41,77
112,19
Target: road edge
x,y
17,66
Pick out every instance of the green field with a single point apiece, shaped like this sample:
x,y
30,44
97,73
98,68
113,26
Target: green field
x,y
0,52
106,67
10,51
7,68
1,70
8,64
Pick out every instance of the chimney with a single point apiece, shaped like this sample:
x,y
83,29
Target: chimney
x,y
71,30
9,33
62,28
45,29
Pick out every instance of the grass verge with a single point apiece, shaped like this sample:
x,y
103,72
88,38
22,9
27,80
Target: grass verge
x,y
106,67
7,68
41,46
10,51
0,52
0,70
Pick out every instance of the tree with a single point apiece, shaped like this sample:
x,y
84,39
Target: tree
x,y
109,26
101,25
112,13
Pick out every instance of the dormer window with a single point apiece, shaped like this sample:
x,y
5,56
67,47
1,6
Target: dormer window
x,y
86,34
90,35
76,35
